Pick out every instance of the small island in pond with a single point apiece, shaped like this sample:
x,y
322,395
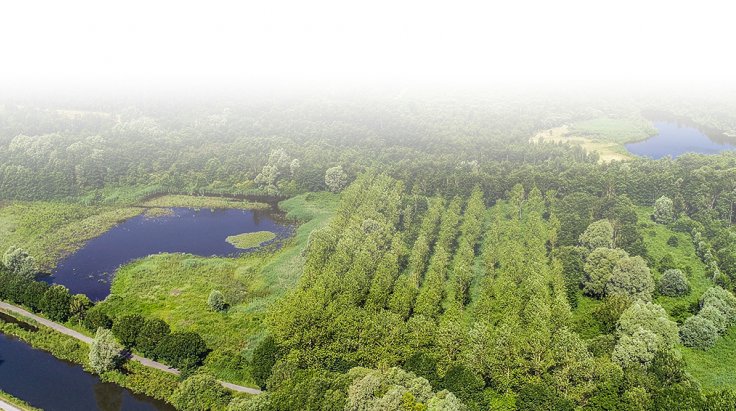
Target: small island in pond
x,y
250,240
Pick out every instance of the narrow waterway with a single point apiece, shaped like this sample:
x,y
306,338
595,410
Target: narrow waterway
x,y
47,382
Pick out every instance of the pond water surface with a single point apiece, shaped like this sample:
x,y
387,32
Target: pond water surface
x,y
47,382
674,139
199,232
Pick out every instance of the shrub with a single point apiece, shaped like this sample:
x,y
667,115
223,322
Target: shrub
x,y
598,234
721,299
673,241
95,319
599,268
664,210
150,335
200,393
216,301
55,303
182,349
715,316
265,356
698,332
104,352
631,277
19,263
126,329
673,283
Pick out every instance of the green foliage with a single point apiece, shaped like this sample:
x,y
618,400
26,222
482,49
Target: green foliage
x,y
673,283
200,392
127,328
698,332
664,210
18,262
644,329
181,349
216,301
104,352
631,277
599,268
535,396
264,358
465,384
151,334
55,303
598,235
722,300
335,179
96,318
673,241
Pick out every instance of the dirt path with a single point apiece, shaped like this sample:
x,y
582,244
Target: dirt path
x,y
145,361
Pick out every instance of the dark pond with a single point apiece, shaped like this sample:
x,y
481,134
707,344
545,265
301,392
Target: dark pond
x,y
46,382
199,232
675,139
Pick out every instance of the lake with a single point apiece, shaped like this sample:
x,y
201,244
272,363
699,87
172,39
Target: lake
x,y
200,232
47,382
674,139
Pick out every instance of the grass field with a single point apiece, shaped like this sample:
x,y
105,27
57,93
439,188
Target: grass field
x,y
616,130
715,368
655,239
607,150
175,287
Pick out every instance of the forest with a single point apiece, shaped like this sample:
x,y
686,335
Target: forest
x,y
441,257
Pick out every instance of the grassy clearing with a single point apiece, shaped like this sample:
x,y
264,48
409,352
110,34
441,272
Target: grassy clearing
x,y
607,151
203,202
50,230
250,240
715,368
655,239
617,130
175,287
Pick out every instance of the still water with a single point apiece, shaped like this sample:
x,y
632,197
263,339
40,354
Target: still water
x,y
674,139
199,232
47,382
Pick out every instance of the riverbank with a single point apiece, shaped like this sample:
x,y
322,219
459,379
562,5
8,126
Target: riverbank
x,y
59,328
10,403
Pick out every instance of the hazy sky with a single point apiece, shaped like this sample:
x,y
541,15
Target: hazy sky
x,y
146,43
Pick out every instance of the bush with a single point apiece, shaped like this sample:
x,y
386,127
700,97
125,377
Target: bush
x,y
721,299
104,352
673,283
599,267
126,329
264,357
698,332
631,277
599,234
182,349
55,303
95,319
673,241
715,316
150,335
19,263
664,210
200,393
216,301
